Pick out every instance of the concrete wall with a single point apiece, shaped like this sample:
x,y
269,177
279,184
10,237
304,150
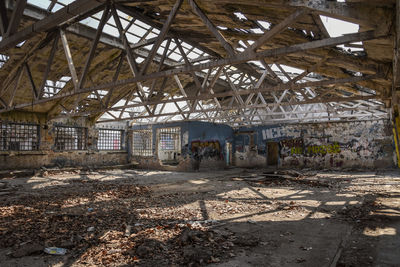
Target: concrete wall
x,y
367,144
48,156
364,144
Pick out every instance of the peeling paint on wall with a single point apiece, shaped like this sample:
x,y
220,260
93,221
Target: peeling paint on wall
x,y
328,145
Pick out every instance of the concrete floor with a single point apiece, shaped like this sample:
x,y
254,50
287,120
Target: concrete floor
x,y
320,219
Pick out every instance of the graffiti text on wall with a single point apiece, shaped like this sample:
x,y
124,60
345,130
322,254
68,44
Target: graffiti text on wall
x,y
272,133
323,149
297,142
206,148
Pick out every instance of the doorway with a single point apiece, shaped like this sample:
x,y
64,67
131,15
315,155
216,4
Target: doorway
x,y
169,145
273,153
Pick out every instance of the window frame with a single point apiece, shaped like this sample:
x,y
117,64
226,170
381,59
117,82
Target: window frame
x,y
33,131
121,140
84,143
143,152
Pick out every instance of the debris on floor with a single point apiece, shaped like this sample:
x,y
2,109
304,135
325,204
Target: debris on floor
x,y
119,218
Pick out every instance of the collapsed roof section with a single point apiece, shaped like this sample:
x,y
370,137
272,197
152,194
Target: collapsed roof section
x,y
236,62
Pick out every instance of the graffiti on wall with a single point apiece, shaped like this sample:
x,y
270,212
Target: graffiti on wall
x,y
316,149
272,133
206,148
289,143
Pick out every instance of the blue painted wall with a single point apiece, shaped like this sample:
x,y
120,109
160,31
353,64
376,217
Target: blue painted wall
x,y
196,131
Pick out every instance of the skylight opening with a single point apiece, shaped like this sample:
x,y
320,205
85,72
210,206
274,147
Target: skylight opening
x,y
223,28
175,56
265,24
91,22
132,38
139,60
52,88
240,16
287,69
336,27
257,31
20,44
98,15
110,30
192,55
65,2
242,43
150,35
137,30
148,47
42,4
56,8
142,24
3,60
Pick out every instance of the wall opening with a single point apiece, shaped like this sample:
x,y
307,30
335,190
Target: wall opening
x,y
19,136
169,145
110,139
142,143
70,138
273,153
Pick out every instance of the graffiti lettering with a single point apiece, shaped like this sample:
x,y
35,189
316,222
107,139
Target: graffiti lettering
x,y
323,149
272,133
298,142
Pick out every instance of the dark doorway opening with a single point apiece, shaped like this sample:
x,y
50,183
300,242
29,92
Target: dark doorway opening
x,y
273,153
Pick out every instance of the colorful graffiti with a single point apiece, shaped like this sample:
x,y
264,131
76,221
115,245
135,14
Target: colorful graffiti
x,y
297,142
321,149
206,148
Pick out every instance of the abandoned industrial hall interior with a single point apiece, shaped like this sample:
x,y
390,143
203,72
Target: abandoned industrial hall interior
x,y
199,133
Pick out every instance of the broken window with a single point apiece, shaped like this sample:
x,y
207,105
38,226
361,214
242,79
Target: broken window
x,y
52,88
19,136
110,139
3,60
142,143
70,138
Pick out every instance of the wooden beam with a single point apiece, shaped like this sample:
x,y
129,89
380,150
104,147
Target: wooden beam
x,y
211,27
362,36
15,18
323,31
262,106
17,82
129,54
32,82
72,10
92,50
115,78
68,55
162,35
267,89
3,18
358,13
276,29
48,66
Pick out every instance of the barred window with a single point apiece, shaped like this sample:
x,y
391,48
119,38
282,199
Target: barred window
x,y
142,143
169,138
70,138
110,139
19,136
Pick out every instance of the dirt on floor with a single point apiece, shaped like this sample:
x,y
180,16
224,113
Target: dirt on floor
x,y
234,217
